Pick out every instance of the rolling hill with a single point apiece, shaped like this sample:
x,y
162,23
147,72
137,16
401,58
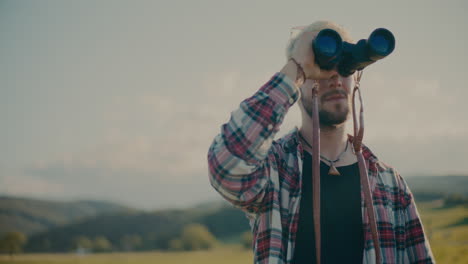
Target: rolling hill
x,y
31,215
54,226
439,184
153,229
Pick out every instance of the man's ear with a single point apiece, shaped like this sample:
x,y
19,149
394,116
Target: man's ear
x,y
299,101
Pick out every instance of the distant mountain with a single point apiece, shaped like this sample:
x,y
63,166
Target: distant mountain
x,y
154,230
441,185
61,224
32,215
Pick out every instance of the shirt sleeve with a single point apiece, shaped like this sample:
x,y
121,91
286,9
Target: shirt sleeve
x,y
238,157
417,245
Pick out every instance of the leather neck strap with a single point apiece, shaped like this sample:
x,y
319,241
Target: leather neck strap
x,y
357,144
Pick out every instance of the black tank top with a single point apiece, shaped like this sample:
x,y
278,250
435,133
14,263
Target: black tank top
x,y
341,221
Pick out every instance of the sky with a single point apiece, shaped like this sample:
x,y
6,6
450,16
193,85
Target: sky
x,y
120,100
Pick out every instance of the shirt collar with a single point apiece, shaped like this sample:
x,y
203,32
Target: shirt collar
x,y
292,143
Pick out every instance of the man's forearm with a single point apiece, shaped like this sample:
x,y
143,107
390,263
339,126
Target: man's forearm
x,y
236,156
253,125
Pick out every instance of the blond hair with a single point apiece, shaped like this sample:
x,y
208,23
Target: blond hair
x,y
316,27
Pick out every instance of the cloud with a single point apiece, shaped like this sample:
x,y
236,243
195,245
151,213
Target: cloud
x,y
18,184
152,153
411,109
415,124
437,156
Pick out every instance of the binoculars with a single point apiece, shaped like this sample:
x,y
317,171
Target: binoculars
x,y
331,52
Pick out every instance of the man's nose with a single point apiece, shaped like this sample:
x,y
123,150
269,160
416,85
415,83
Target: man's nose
x,y
335,81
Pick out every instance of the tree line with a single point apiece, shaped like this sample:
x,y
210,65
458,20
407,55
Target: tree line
x,y
190,229
139,231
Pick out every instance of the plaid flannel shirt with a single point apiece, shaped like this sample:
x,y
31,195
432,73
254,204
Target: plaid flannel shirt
x,y
262,176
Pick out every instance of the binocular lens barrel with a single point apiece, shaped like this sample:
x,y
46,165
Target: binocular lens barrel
x,y
331,52
381,43
327,47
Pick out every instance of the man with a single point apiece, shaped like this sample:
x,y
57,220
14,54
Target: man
x,y
271,180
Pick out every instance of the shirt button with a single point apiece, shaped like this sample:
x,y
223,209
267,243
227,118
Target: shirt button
x,y
291,100
270,127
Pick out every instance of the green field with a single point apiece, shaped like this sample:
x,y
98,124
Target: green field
x,y
225,255
446,227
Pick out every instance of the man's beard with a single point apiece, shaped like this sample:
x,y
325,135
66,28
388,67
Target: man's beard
x,y
329,118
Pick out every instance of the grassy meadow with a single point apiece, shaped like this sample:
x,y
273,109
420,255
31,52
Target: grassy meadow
x,y
225,255
446,227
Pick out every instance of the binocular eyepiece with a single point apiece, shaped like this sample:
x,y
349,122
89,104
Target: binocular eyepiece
x,y
331,52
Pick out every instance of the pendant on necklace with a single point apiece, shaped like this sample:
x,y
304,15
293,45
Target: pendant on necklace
x,y
333,170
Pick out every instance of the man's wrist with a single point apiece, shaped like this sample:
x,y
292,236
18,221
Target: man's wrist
x,y
293,72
